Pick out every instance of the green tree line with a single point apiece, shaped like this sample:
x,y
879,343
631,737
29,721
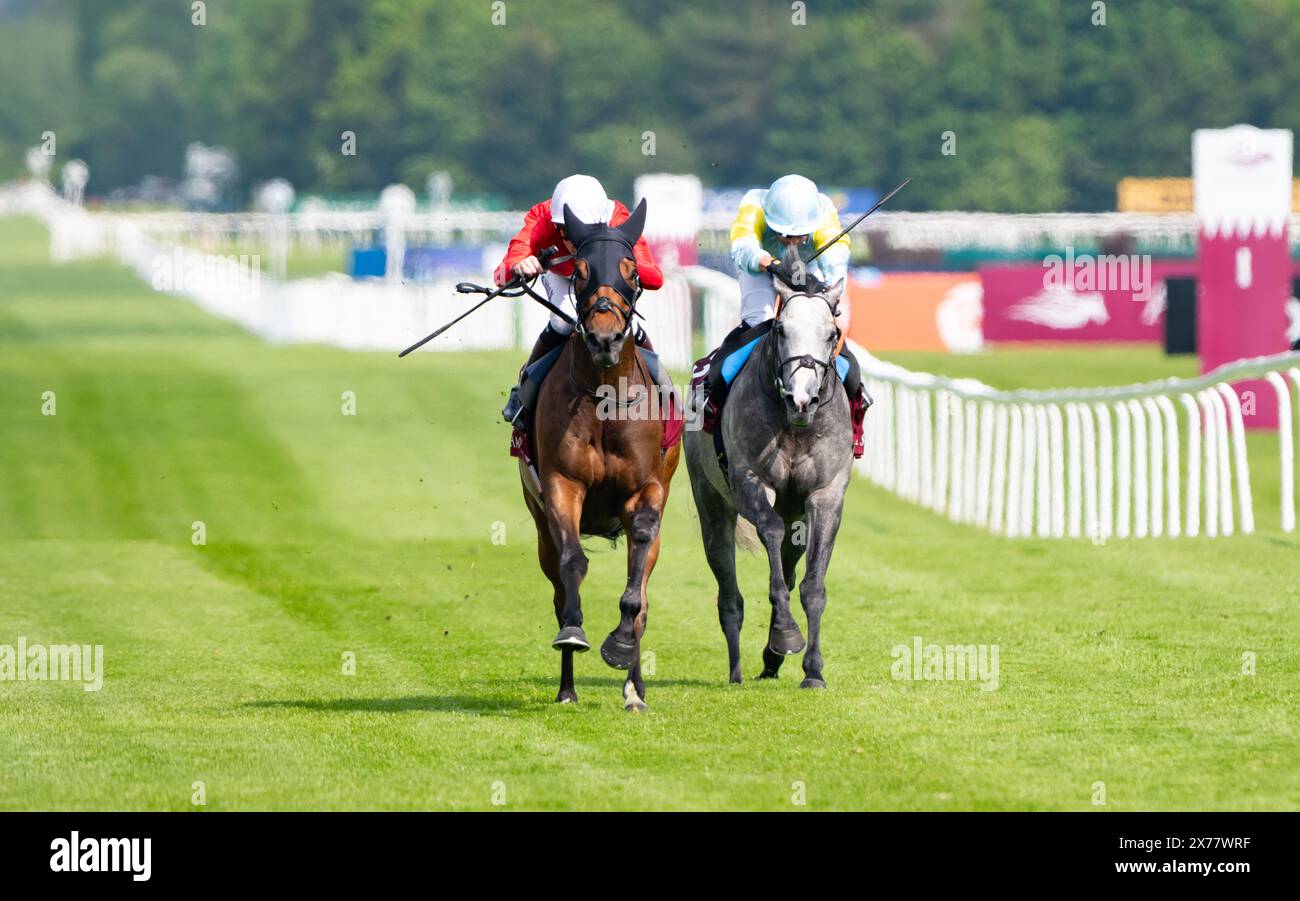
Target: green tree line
x,y
1038,105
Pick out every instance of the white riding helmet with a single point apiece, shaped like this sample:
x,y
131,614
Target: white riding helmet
x,y
792,206
586,200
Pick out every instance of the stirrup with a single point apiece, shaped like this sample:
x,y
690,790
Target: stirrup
x,y
514,406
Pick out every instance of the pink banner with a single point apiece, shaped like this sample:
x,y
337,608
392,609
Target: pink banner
x,y
1084,298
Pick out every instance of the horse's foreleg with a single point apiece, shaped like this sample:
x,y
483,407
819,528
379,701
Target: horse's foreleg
x,y
792,548
549,558
783,635
641,518
564,499
824,508
634,687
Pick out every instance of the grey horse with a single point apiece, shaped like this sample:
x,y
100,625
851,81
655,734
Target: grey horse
x,y
788,442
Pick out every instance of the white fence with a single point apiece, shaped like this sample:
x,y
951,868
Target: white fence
x,y
1164,458
367,314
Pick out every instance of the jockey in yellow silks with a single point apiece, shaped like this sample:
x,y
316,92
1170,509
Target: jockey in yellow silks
x,y
792,212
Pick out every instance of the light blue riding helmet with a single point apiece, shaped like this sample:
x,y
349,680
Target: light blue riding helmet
x,y
792,206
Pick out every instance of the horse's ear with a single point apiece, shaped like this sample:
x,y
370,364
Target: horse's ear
x,y
577,229
834,293
633,225
783,291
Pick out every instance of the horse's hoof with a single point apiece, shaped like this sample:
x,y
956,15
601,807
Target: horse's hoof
x,y
769,674
787,643
618,654
571,638
566,696
812,683
735,677
632,698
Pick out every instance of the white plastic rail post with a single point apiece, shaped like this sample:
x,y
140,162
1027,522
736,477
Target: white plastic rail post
x,y
1285,450
1015,471
941,402
1173,524
1057,431
1044,489
1156,444
1140,509
1193,527
1106,474
985,476
925,447
1211,441
1124,476
1239,461
1030,416
1224,469
1091,520
955,469
969,463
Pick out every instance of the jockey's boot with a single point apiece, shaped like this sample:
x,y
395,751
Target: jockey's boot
x,y
523,395
859,401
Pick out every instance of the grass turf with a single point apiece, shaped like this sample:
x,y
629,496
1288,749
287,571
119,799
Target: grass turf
x,y
373,535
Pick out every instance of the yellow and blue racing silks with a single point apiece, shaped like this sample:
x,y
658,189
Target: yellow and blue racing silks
x,y
751,238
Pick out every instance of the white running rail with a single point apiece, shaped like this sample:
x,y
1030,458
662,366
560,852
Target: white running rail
x,y
333,309
1163,458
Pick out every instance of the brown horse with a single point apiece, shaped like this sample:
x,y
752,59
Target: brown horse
x,y
600,466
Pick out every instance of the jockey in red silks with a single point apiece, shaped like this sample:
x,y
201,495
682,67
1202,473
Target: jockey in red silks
x,y
544,227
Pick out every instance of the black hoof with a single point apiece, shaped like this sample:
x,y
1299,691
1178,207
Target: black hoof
x,y
812,683
617,653
787,643
571,638
769,674
566,696
735,677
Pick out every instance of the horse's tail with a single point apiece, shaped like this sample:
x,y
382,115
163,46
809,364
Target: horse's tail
x,y
747,536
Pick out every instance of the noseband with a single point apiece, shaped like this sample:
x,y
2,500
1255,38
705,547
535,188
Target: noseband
x,y
582,300
821,368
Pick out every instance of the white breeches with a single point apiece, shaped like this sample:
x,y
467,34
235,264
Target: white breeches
x,y
758,301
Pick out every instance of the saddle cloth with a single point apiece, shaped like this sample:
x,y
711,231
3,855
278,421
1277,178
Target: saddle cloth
x,y
735,351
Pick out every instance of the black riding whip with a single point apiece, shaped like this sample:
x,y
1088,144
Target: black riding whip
x,y
852,225
545,257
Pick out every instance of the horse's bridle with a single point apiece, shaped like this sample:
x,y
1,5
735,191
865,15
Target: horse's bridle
x,y
805,361
582,301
